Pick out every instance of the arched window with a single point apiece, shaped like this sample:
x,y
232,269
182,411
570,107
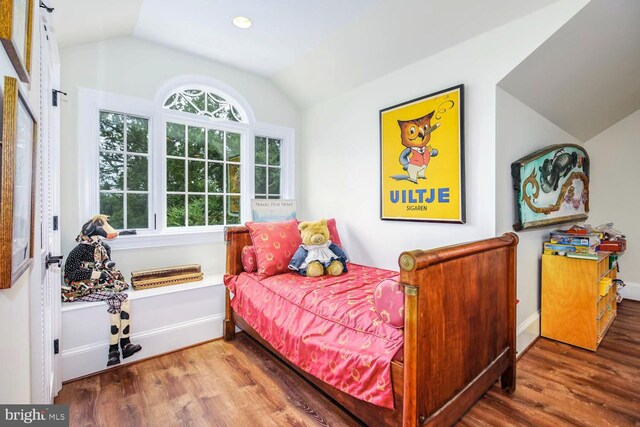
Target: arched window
x,y
190,161
204,101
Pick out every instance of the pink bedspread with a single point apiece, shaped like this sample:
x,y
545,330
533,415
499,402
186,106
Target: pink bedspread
x,y
326,326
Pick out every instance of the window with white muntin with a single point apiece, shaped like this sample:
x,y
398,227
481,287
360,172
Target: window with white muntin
x,y
267,167
190,162
124,169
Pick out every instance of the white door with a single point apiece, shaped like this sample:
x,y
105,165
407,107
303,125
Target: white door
x,y
46,378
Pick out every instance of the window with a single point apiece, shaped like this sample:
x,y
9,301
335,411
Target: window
x,y
203,176
124,169
204,103
188,162
267,168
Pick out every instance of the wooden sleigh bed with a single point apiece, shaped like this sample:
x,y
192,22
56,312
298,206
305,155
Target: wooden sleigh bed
x,y
459,331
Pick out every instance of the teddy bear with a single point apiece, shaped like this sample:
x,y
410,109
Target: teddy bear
x,y
317,255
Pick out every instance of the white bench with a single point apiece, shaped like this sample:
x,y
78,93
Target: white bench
x,y
162,320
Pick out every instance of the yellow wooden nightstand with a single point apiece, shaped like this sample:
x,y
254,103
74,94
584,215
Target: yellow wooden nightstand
x,y
573,310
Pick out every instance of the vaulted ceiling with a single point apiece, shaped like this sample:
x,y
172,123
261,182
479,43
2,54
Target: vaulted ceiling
x,y
309,48
586,76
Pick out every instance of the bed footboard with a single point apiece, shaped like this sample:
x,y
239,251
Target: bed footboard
x,y
460,327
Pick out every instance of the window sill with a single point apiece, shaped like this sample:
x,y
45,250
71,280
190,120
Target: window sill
x,y
152,240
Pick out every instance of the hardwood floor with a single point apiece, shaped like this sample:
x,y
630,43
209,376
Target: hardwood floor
x,y
240,384
558,384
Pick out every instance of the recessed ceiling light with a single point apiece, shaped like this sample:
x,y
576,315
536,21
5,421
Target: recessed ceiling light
x,y
242,22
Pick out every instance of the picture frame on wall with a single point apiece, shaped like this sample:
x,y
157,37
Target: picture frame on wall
x,y
422,159
18,150
16,30
551,187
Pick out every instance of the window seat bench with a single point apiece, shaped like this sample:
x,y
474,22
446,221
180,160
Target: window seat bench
x,y
162,320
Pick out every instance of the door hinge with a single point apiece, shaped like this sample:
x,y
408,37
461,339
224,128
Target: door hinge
x,y
55,223
56,346
54,94
45,7
49,259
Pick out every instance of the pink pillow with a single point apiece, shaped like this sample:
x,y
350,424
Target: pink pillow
x,y
388,299
249,259
333,232
274,244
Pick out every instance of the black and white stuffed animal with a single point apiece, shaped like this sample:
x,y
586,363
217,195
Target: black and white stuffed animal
x,y
90,275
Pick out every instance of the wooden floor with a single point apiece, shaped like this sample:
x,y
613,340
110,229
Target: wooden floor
x,y
240,384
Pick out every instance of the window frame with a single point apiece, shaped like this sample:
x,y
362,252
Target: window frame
x,y
267,167
189,119
91,102
125,191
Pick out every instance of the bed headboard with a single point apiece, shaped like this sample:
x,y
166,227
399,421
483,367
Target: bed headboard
x,y
236,238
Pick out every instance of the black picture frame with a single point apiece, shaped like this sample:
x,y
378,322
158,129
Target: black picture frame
x,y
448,113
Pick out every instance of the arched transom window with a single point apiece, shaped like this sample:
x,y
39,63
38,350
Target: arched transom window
x,y
205,102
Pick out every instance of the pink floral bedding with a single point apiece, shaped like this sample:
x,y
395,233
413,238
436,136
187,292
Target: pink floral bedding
x,y
326,326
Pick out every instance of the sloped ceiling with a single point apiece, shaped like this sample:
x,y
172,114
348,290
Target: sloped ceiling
x,y
392,36
87,21
311,49
282,30
585,77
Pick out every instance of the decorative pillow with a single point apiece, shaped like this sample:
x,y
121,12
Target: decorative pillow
x,y
388,299
333,232
249,259
274,244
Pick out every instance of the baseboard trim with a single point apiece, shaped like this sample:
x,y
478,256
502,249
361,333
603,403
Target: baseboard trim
x,y
528,322
631,291
527,334
88,359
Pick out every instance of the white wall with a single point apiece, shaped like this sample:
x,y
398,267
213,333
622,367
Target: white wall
x,y
615,175
339,167
129,66
520,131
15,316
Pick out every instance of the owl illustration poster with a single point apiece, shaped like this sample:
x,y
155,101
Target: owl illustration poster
x,y
422,158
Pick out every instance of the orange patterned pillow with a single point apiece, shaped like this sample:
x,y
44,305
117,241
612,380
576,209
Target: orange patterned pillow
x,y
274,244
388,301
333,232
248,258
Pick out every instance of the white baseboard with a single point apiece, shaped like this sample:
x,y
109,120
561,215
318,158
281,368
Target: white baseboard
x,y
88,359
631,291
527,332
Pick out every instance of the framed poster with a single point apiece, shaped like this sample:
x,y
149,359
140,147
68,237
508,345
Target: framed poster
x,y
18,182
551,186
16,29
272,210
422,158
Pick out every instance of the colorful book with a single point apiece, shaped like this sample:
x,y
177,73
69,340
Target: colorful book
x,y
571,239
554,248
582,256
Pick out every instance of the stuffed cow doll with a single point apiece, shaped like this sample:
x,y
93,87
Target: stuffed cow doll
x,y
90,275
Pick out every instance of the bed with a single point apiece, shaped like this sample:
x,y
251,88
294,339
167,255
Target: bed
x,y
458,338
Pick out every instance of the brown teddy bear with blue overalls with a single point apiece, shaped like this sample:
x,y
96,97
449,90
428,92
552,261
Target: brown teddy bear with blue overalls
x,y
318,255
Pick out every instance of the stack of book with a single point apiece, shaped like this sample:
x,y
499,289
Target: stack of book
x,y
146,279
584,246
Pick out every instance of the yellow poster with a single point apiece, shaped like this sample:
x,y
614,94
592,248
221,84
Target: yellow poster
x,y
422,158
